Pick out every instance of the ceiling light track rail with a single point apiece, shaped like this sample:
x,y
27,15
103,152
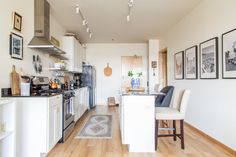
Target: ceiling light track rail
x,y
84,21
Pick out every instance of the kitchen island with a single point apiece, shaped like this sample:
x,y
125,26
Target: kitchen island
x,y
137,121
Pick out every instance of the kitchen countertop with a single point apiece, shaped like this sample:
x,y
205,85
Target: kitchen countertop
x,y
30,96
137,94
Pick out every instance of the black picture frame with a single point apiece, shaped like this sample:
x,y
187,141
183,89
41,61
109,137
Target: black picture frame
x,y
191,62
208,52
179,65
229,55
16,46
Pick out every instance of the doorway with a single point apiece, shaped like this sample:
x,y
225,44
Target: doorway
x,y
163,68
130,63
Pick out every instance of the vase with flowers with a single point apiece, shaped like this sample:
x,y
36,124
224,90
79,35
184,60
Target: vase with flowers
x,y
135,79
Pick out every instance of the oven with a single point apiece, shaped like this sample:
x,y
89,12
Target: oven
x,y
68,117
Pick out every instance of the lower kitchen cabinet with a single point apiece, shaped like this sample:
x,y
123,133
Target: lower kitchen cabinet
x,y
39,125
7,128
81,102
55,121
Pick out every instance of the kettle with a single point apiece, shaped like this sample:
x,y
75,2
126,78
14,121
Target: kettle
x,y
53,85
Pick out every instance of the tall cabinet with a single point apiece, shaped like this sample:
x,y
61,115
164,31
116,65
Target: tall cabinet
x,y
74,51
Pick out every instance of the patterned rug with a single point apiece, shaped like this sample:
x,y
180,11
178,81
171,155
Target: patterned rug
x,y
97,127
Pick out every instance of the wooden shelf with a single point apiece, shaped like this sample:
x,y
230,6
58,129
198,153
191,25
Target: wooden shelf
x,y
57,69
4,135
59,56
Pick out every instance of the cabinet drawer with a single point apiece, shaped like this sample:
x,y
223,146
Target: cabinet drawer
x,y
55,100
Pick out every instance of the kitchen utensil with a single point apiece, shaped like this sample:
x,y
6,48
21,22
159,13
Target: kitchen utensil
x,y
25,89
25,79
34,64
15,82
53,84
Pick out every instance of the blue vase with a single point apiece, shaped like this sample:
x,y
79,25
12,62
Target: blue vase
x,y
135,83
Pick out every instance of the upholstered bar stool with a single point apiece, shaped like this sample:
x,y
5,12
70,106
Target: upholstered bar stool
x,y
175,112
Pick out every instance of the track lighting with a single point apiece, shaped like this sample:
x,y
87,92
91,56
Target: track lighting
x,y
77,9
130,5
128,18
84,21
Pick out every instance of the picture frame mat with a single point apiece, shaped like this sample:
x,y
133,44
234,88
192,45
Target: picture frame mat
x,y
192,53
227,39
209,44
179,57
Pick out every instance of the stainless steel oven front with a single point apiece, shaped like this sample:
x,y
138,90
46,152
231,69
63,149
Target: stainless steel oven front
x,y
68,116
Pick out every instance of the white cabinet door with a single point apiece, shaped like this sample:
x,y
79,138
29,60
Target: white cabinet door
x,y
55,120
76,105
83,100
51,127
72,48
80,57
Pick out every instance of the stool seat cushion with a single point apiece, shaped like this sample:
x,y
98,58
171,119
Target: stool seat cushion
x,y
168,113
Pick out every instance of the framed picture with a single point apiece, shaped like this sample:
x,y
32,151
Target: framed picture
x,y
209,59
229,54
17,21
179,65
191,63
16,46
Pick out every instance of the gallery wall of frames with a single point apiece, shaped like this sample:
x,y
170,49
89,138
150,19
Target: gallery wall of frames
x,y
202,61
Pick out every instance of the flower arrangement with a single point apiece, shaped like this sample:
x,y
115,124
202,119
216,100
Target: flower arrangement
x,y
134,74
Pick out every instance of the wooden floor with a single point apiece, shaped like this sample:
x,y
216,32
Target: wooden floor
x,y
195,144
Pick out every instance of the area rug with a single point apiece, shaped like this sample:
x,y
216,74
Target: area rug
x,y
97,127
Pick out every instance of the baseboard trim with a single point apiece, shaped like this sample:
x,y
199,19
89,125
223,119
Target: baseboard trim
x,y
223,146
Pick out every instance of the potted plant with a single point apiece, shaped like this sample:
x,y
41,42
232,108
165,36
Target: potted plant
x,y
135,78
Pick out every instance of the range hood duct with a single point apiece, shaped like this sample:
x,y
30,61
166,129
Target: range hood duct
x,y
42,29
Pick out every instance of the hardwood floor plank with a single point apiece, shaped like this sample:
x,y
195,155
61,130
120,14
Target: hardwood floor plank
x,y
196,145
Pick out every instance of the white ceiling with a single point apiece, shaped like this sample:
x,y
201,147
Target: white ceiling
x,y
107,18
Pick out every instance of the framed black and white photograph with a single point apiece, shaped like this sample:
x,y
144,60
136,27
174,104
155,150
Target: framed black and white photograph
x,y
179,65
16,46
191,63
209,59
229,54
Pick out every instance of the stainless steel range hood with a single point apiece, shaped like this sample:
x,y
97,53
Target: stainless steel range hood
x,y
41,39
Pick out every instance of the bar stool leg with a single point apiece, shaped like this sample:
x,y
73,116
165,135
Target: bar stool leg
x,y
182,133
174,131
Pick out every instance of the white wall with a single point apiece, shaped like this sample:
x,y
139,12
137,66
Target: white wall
x,y
153,77
26,9
212,104
101,54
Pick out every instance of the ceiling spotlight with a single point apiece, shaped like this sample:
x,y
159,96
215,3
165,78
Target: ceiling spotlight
x,y
130,6
87,29
128,18
77,9
90,35
85,22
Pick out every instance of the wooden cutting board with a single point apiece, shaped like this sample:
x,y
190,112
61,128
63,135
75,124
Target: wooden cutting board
x,y
15,82
107,70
